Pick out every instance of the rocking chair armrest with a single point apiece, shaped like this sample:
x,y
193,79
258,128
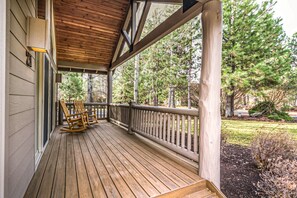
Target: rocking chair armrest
x,y
75,114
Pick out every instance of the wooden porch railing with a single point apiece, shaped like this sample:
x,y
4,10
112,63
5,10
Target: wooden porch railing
x,y
176,129
100,109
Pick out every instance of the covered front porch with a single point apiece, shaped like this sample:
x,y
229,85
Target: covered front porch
x,y
106,161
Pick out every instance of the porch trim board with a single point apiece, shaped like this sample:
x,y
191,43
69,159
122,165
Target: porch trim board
x,y
4,90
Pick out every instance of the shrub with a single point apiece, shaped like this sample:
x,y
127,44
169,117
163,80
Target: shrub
x,y
265,108
280,180
286,107
280,115
268,146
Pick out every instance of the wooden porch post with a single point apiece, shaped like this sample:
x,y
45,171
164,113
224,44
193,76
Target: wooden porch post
x,y
109,93
210,84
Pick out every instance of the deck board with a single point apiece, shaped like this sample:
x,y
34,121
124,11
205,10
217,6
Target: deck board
x,y
32,190
71,188
169,169
105,161
60,179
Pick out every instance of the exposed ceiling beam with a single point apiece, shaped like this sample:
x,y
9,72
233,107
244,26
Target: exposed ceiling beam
x,y
133,20
82,70
173,22
126,37
142,20
117,50
77,65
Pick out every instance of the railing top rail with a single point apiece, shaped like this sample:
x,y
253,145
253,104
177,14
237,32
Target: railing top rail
x,y
180,111
119,105
88,103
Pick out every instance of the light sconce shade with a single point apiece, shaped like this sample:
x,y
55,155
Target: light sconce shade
x,y
36,34
58,78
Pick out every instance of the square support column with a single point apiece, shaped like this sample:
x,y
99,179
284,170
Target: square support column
x,y
210,85
109,93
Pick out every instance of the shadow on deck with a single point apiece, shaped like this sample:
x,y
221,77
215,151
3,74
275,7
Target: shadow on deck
x,y
105,161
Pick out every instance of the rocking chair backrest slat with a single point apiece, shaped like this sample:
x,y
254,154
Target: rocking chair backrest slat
x,y
79,106
64,108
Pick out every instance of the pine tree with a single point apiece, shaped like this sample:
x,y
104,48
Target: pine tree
x,y
71,87
254,56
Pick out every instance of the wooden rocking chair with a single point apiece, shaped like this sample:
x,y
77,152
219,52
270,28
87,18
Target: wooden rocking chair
x,y
76,122
89,118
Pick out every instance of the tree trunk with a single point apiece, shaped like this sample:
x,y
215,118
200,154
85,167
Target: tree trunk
x,y
155,99
90,88
173,97
229,111
169,98
136,78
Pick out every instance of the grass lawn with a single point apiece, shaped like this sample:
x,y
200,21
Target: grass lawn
x,y
242,132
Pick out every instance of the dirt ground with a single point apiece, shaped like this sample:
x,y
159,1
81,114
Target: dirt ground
x,y
238,172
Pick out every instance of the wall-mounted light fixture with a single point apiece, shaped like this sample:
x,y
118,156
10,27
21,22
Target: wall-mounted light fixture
x,y
36,34
58,78
29,59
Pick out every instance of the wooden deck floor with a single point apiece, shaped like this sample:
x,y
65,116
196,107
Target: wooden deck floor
x,y
105,161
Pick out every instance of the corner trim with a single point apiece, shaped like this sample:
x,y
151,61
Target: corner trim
x,y
4,90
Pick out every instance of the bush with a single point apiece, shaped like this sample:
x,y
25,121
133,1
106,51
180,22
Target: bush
x,y
276,154
268,146
265,108
286,107
280,115
280,180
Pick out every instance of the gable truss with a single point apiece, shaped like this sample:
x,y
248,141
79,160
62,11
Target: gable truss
x,y
173,22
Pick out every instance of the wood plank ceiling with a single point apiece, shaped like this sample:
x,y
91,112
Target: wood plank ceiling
x,y
87,31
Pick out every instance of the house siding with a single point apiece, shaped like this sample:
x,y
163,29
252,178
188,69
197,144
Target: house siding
x,y
21,136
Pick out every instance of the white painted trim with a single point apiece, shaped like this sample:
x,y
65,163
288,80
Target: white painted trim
x,y
4,105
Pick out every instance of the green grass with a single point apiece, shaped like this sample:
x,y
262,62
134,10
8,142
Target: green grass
x,y
242,132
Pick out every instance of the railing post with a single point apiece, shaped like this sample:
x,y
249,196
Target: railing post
x,y
130,117
60,114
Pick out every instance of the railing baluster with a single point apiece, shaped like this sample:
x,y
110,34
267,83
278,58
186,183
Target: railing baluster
x,y
195,135
168,127
161,125
189,133
150,118
145,122
137,119
157,124
183,132
142,120
154,124
173,129
164,126
178,131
